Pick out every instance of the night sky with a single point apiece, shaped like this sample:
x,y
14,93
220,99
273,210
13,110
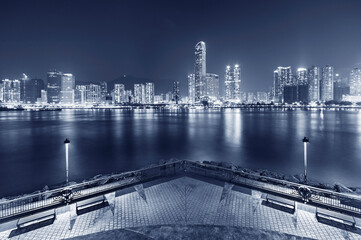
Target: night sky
x,y
103,40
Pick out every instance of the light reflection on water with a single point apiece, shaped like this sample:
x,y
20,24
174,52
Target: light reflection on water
x,y
106,141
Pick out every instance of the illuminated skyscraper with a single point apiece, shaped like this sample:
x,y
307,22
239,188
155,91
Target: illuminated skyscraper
x,y
212,85
355,82
327,83
149,93
11,91
282,77
200,70
139,93
191,88
314,83
233,83
80,94
93,94
103,91
54,86
119,93
175,93
302,78
67,88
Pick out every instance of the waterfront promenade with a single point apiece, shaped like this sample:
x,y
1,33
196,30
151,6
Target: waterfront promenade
x,y
180,204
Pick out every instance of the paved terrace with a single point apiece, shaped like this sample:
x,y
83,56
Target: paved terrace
x,y
137,212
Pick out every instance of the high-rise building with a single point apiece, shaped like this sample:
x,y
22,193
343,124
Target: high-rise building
x,y
93,94
191,88
54,86
32,89
80,94
341,87
355,82
1,91
314,84
212,85
44,97
200,70
282,77
302,77
23,81
262,97
233,83
11,91
67,88
327,83
149,93
176,95
103,91
139,93
119,93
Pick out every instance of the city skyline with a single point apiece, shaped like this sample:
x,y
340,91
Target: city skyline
x,y
165,56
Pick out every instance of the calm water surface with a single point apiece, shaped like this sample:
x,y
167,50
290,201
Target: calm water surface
x,y
32,152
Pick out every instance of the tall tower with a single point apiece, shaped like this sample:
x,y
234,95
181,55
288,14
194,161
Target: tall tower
x,y
233,83
327,83
54,86
191,88
314,83
355,82
200,70
282,77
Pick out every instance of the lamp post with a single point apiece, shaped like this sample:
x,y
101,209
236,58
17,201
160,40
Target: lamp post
x,y
66,142
305,141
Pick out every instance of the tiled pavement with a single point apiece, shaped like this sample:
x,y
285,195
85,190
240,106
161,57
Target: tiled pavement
x,y
187,201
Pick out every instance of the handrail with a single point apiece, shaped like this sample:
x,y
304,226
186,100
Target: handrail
x,y
67,194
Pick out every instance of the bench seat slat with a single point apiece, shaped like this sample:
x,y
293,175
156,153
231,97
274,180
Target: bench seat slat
x,y
335,216
36,218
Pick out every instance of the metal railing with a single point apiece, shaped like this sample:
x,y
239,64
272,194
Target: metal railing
x,y
28,204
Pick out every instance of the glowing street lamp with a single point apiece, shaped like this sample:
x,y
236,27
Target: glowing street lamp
x,y
66,142
305,141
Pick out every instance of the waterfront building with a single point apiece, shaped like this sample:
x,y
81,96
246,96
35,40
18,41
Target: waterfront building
x,y
149,93
191,88
11,91
282,77
32,90
212,86
200,70
139,93
1,91
93,94
251,98
262,97
176,95
54,86
67,88
341,87
119,93
314,83
233,83
290,94
302,78
327,83
80,94
44,96
243,97
103,91
23,81
128,96
355,82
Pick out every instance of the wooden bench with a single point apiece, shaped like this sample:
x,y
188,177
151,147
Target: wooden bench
x,y
335,217
90,202
36,218
281,201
